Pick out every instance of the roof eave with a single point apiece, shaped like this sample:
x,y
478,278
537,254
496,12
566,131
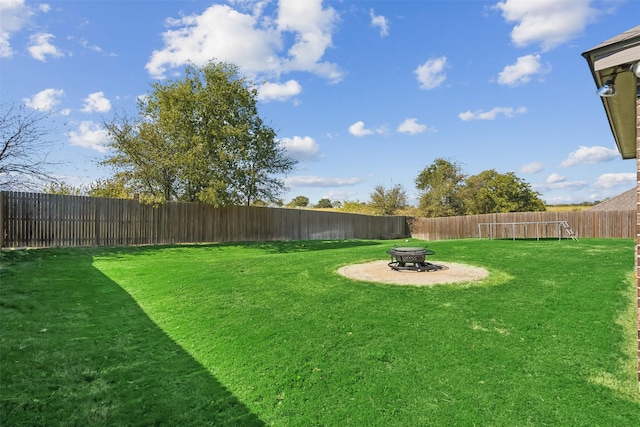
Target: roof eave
x,y
613,58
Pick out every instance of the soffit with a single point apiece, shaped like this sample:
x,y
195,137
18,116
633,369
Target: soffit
x,y
612,59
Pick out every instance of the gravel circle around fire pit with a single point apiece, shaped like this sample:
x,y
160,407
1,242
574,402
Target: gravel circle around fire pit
x,y
379,271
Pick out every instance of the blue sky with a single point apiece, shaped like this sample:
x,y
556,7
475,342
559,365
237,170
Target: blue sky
x,y
362,93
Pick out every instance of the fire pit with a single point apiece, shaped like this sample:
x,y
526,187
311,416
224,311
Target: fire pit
x,y
413,259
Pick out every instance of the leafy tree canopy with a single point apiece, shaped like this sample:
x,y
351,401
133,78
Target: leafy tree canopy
x,y
446,191
200,139
113,188
62,188
389,201
440,184
493,192
324,204
298,202
355,206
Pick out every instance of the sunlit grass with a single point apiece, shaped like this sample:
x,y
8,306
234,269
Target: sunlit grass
x,y
567,208
237,334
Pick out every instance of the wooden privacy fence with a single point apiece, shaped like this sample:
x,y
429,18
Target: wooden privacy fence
x,y
45,220
585,224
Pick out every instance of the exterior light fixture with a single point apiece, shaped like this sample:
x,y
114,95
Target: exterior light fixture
x,y
635,69
607,90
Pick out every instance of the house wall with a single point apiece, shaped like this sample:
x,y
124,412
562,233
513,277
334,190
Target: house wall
x,y
638,227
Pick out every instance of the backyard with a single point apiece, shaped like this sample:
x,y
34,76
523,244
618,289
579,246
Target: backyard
x,y
267,333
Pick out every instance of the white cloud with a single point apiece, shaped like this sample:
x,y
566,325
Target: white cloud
x,y
256,43
89,135
412,126
589,156
44,100
358,129
15,15
302,148
96,103
521,72
220,32
609,180
256,7
279,91
40,47
380,22
313,28
318,181
85,44
491,114
558,182
533,167
546,22
431,73
555,178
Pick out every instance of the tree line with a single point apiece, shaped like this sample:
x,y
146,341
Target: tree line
x,y
200,139
444,190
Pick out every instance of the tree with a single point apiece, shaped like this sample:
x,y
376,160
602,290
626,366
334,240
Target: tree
x,y
200,139
355,206
389,201
440,185
114,188
61,188
493,192
323,204
298,202
145,159
24,151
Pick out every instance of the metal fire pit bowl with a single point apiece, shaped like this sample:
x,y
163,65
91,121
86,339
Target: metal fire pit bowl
x,y
413,259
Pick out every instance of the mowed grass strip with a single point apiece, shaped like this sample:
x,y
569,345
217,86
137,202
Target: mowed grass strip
x,y
241,334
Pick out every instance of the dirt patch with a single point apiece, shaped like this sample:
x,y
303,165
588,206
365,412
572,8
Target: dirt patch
x,y
379,271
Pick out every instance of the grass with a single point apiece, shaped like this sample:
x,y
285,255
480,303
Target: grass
x,y
268,334
568,208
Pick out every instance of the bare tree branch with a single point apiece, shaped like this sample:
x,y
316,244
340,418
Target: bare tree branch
x,y
24,149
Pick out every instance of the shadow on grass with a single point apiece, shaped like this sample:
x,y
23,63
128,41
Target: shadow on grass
x,y
76,349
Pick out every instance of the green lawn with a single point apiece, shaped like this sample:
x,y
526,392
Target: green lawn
x,y
268,334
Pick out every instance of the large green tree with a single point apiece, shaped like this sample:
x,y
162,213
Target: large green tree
x,y
388,201
493,192
440,184
200,138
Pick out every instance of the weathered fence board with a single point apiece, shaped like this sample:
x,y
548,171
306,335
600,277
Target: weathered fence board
x,y
45,220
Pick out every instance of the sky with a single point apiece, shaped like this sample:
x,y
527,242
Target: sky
x,y
361,93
